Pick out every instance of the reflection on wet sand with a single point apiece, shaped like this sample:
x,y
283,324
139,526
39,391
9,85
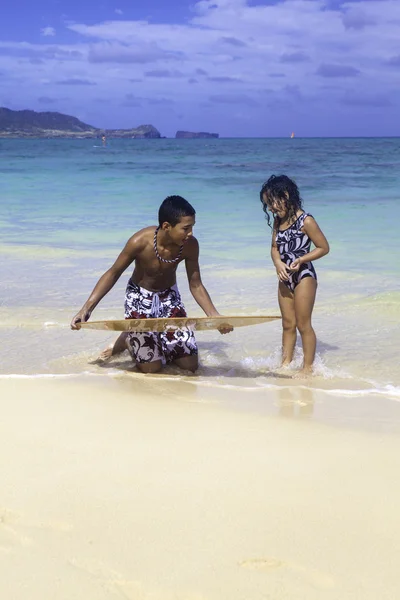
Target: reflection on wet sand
x,y
296,402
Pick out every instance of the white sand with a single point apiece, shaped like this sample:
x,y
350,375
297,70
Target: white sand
x,y
118,489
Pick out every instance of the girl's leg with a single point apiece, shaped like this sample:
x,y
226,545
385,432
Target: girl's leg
x,y
304,298
286,304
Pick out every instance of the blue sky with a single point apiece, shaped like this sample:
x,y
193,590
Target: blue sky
x,y
237,67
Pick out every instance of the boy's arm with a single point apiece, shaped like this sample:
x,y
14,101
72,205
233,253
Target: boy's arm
x,y
109,279
196,286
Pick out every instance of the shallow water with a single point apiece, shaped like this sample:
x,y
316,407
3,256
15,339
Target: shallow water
x,y
67,209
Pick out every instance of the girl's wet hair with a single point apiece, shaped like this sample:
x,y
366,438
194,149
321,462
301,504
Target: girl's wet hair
x,y
281,187
173,209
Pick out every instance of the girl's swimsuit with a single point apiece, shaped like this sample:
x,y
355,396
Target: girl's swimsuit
x,y
293,243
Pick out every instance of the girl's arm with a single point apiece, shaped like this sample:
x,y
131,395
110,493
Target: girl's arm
x,y
320,242
282,269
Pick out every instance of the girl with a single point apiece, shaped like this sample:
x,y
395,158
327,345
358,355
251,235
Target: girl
x,y
292,233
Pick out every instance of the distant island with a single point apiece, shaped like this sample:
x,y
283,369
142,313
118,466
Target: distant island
x,y
32,124
192,135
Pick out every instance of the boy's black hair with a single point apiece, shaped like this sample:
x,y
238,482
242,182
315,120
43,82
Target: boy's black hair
x,y
281,187
173,209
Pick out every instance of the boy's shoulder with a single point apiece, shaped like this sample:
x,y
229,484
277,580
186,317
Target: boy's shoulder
x,y
140,239
193,241
191,248
143,234
149,230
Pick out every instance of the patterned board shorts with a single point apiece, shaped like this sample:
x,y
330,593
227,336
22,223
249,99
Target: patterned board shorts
x,y
168,346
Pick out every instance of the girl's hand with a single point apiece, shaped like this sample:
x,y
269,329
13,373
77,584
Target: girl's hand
x,y
295,266
282,270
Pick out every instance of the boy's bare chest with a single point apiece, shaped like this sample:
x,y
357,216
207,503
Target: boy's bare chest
x,y
149,262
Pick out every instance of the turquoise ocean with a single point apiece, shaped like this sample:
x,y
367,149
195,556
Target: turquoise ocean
x,y
68,207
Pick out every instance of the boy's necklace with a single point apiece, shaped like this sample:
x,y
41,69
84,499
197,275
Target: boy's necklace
x,y
174,260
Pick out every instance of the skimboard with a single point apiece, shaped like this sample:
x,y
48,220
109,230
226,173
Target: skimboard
x,y
163,324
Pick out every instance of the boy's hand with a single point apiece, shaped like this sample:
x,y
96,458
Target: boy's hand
x,y
225,328
282,270
81,317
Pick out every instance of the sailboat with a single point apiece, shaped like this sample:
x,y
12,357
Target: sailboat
x,y
292,134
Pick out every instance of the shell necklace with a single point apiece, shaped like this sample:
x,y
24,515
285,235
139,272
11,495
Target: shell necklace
x,y
164,260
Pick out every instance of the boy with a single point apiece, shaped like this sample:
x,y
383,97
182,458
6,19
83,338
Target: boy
x,y
152,289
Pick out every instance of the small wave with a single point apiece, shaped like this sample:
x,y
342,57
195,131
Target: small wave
x,y
272,364
390,392
51,375
14,323
286,383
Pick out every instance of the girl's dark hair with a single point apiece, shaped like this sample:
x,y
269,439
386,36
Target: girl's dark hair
x,y
173,209
281,187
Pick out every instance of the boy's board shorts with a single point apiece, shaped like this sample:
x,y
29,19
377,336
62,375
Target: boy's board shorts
x,y
167,346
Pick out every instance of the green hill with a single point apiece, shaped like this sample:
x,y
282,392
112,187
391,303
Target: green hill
x,y
29,123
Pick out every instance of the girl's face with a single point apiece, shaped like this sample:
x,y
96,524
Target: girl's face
x,y
276,206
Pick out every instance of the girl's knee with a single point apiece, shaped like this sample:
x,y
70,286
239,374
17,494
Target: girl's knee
x,y
304,327
289,325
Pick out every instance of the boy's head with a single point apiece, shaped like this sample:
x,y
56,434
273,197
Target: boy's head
x,y
173,209
177,217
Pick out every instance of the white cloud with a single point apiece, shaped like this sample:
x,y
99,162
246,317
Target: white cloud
x,y
140,53
243,49
118,11
268,38
48,31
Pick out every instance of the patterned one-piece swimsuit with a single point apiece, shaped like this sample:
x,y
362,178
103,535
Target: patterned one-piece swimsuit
x,y
293,243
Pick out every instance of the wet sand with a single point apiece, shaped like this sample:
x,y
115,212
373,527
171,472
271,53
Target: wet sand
x,y
146,488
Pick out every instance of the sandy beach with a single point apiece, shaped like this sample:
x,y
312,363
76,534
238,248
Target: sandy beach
x,y
142,488
240,482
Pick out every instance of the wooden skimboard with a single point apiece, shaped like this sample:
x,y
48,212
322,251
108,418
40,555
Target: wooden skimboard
x,y
163,324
